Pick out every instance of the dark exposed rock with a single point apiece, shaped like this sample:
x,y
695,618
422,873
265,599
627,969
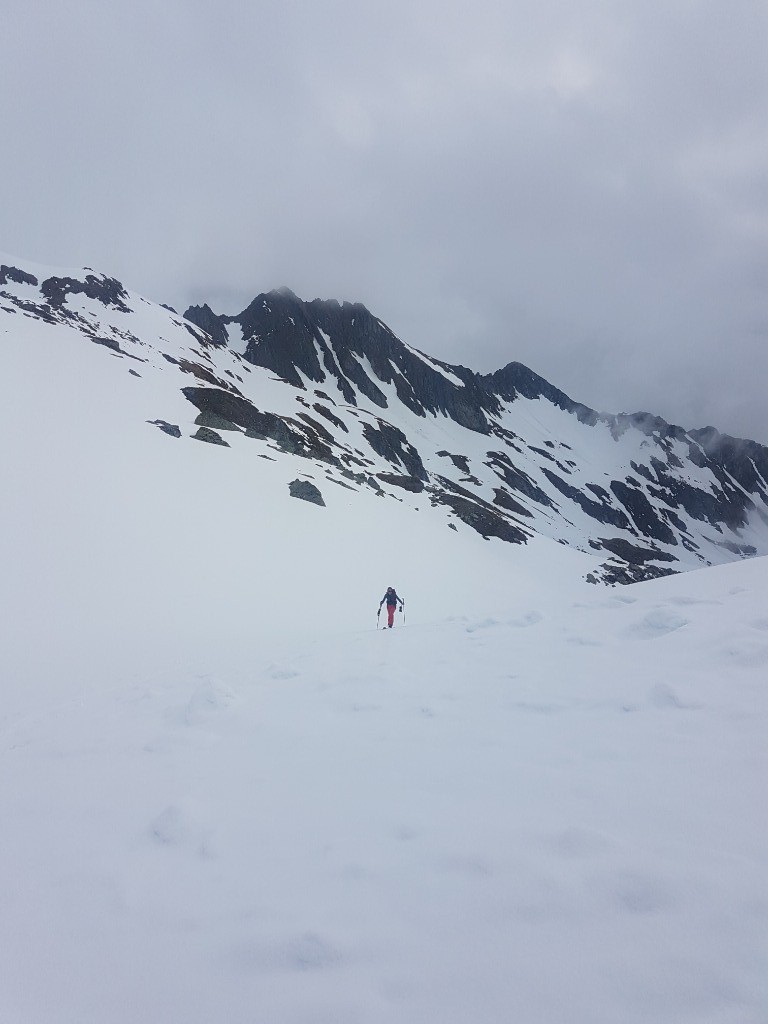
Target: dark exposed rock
x,y
643,471
643,513
317,339
746,461
306,491
702,505
213,325
696,455
17,276
238,410
200,337
509,437
675,519
355,335
38,310
111,343
602,512
202,373
408,483
641,421
206,434
476,512
308,441
214,421
481,517
460,461
106,290
341,483
516,379
540,451
505,500
168,428
516,479
742,550
615,571
634,554
280,337
392,444
321,409
318,428
601,493
362,478
290,435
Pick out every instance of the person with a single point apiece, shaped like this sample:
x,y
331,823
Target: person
x,y
391,597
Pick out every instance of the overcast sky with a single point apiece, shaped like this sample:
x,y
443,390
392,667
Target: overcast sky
x,y
580,185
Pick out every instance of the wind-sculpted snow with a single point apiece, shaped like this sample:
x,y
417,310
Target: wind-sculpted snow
x,y
330,387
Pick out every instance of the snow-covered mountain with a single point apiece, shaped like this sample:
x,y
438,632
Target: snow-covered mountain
x,y
225,794
331,391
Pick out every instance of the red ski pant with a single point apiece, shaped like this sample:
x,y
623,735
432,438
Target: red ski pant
x,y
391,613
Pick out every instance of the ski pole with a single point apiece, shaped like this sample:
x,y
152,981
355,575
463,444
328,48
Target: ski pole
x,y
402,609
378,613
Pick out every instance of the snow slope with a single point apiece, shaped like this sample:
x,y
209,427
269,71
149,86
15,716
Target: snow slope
x,y
549,811
226,795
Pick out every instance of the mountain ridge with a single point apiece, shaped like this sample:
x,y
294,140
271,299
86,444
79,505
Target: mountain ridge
x,y
507,454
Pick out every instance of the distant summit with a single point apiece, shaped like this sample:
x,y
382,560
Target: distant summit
x,y
310,341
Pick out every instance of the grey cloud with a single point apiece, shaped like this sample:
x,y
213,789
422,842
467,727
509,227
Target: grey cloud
x,y
579,186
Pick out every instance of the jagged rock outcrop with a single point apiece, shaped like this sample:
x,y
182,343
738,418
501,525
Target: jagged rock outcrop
x,y
207,418
306,491
105,290
290,435
210,436
213,325
172,429
516,379
13,274
314,340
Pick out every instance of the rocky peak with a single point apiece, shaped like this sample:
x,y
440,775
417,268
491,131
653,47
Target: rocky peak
x,y
319,339
204,317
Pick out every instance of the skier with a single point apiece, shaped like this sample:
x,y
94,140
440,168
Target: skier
x,y
391,597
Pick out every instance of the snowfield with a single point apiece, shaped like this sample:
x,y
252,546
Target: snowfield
x,y
227,796
547,813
